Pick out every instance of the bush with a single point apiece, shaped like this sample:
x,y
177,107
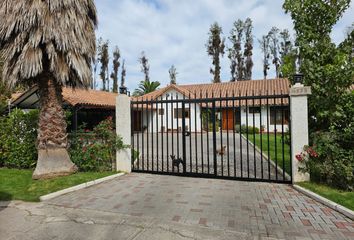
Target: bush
x,y
96,150
245,129
332,164
18,134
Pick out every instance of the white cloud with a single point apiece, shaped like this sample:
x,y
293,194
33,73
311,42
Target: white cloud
x,y
175,32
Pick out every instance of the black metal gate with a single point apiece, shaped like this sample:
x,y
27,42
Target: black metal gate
x,y
233,137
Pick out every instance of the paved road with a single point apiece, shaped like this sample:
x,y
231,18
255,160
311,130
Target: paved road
x,y
240,159
144,206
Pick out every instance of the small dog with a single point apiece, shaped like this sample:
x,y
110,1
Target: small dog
x,y
176,162
221,151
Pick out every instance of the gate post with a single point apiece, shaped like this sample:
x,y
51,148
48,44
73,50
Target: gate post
x,y
123,129
299,127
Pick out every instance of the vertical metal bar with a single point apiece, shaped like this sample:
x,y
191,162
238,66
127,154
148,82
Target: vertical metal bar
x,y
157,135
254,140
142,135
214,136
132,131
138,134
152,135
282,136
234,130
275,138
167,137
248,159
201,132
221,142
207,123
177,119
163,128
184,134
227,136
196,136
190,136
268,154
260,134
172,134
240,133
147,135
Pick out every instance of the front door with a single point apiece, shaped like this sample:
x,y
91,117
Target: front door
x,y
228,119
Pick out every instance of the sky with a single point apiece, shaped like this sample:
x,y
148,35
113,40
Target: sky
x,y
176,31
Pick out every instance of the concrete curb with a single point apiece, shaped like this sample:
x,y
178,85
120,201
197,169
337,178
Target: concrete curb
x,y
335,206
78,187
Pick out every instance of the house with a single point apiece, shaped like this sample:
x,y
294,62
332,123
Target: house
x,y
87,106
263,111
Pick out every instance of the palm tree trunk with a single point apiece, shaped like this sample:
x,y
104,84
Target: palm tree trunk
x,y
53,158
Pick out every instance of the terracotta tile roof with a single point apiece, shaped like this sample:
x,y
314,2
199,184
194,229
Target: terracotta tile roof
x,y
279,86
92,98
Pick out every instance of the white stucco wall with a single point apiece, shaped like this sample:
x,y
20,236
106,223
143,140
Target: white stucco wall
x,y
155,122
258,120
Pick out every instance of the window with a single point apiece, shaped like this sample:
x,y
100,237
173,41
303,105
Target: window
x,y
277,113
161,111
177,112
254,110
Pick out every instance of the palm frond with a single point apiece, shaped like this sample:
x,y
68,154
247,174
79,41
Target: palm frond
x,y
51,36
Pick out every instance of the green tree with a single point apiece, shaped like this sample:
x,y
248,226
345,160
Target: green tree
x,y
328,69
248,47
116,64
145,86
288,55
123,74
103,57
274,49
264,43
173,74
235,52
49,43
215,49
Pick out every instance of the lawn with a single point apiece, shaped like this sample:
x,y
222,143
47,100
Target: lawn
x,y
18,184
344,198
274,155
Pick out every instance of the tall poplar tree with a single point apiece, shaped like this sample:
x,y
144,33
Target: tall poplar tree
x,y
173,74
215,48
248,47
103,57
235,52
264,43
116,64
274,49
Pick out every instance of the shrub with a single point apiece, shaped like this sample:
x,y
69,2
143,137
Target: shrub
x,y
18,134
96,150
332,164
245,129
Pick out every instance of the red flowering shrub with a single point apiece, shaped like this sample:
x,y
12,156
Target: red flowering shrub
x,y
96,150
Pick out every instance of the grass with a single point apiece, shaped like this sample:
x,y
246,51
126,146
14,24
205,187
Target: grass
x,y
344,198
276,154
18,184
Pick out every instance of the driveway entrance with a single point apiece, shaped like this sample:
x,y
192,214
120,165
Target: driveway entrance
x,y
253,208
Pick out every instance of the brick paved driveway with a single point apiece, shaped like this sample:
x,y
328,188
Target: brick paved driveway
x,y
258,209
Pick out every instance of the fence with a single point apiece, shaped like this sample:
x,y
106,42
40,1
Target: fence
x,y
238,137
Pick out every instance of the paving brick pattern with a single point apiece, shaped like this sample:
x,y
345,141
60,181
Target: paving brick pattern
x,y
260,209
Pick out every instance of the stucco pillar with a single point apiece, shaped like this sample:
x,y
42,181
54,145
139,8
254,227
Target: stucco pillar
x,y
299,127
123,128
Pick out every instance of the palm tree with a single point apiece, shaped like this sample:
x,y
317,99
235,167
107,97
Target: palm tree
x,y
145,87
50,43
